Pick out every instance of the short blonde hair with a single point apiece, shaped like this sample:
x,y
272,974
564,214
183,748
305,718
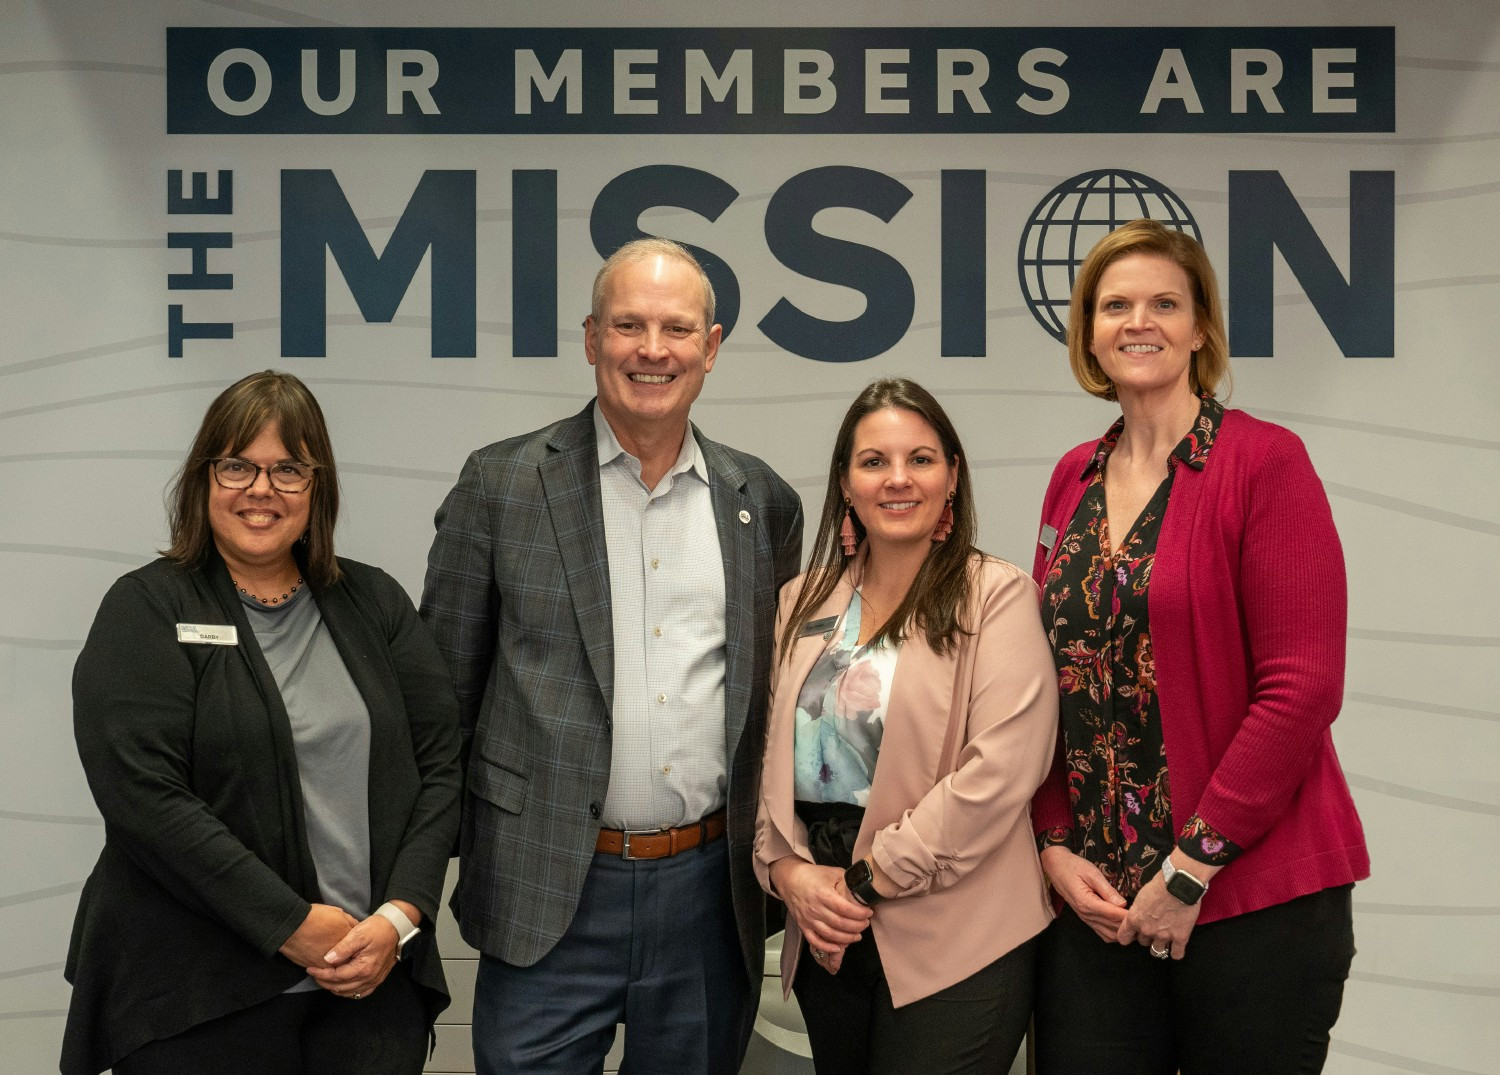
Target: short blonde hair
x,y
1210,362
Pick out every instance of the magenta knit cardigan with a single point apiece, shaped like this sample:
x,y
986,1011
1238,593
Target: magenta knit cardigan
x,y
1248,615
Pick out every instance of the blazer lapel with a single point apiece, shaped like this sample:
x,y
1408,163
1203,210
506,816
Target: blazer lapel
x,y
734,515
570,483
289,786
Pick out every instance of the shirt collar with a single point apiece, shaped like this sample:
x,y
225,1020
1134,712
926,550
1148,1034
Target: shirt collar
x,y
689,456
1192,449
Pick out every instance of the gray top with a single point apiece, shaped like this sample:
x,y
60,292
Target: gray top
x,y
331,735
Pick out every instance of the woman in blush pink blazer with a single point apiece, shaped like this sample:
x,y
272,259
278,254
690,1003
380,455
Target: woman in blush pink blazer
x,y
913,715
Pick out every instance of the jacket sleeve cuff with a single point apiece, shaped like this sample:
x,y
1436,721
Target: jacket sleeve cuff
x,y
1056,836
289,925
1203,843
905,858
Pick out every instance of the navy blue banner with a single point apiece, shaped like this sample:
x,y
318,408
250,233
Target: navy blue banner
x,y
888,80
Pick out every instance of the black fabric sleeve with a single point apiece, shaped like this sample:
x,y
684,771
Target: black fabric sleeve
x,y
134,713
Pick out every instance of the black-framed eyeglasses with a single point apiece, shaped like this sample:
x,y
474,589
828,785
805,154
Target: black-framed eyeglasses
x,y
287,476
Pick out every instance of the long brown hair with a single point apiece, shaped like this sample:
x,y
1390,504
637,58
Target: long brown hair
x,y
938,599
235,419
1210,363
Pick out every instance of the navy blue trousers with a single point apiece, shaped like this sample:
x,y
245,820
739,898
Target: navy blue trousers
x,y
654,946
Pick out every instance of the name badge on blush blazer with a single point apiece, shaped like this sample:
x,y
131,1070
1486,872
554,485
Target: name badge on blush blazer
x,y
818,627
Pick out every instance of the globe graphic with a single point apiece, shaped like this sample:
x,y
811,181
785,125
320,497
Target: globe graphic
x,y
1075,215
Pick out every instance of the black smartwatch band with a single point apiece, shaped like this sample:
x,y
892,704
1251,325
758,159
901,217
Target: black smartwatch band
x,y
860,880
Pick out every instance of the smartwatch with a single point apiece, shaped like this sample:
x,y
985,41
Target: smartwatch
x,y
1181,884
860,879
405,930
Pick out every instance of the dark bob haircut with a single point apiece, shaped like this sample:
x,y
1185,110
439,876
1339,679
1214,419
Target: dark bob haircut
x,y
235,419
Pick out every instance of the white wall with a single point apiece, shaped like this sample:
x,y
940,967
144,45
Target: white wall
x,y
94,416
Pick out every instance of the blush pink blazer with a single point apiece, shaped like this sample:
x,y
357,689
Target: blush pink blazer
x,y
952,828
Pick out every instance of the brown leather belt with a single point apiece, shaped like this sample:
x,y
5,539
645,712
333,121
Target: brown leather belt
x,y
660,843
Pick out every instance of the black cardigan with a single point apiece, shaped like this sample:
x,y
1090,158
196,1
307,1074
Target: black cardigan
x,y
187,748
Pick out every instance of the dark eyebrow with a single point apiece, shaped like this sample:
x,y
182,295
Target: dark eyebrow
x,y
923,448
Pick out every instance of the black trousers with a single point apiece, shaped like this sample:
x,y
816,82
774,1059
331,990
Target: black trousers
x,y
313,1033
1255,994
973,1027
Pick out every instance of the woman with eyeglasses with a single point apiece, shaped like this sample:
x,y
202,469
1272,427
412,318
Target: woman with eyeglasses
x,y
272,739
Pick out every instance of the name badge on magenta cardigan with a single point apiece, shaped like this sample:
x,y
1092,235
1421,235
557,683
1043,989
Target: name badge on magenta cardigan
x,y
208,634
1049,537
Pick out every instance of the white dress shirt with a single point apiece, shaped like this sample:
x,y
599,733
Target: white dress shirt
x,y
666,578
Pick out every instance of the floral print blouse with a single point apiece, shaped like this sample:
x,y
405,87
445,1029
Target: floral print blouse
x,y
1094,606
841,715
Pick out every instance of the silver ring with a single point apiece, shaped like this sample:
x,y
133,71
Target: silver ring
x,y
817,955
1162,954
359,996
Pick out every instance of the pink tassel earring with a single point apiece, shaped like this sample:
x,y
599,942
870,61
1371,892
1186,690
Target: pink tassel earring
x,y
847,536
944,525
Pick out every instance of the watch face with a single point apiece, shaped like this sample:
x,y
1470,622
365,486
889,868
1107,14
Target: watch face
x,y
1185,887
859,874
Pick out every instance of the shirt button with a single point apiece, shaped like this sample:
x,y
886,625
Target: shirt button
x,y
666,768
662,698
656,631
655,563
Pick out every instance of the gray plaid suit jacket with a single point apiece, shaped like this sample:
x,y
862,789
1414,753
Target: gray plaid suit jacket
x,y
517,595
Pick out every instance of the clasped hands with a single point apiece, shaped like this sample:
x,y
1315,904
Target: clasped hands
x,y
829,917
1156,919
344,955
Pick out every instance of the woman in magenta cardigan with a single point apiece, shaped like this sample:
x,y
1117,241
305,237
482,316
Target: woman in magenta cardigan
x,y
1196,823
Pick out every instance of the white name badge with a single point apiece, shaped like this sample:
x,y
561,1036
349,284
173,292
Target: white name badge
x,y
208,634
1048,537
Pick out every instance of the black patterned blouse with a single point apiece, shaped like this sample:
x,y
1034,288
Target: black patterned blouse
x,y
1094,607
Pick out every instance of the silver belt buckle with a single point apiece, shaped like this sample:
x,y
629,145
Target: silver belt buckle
x,y
628,833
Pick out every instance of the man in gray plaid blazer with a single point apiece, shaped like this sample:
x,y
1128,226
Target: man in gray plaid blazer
x,y
604,591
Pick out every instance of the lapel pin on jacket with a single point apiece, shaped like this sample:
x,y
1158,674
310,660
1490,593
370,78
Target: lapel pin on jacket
x,y
744,516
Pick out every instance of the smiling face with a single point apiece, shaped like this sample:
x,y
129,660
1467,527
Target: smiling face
x,y
897,480
650,347
255,528
1145,331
